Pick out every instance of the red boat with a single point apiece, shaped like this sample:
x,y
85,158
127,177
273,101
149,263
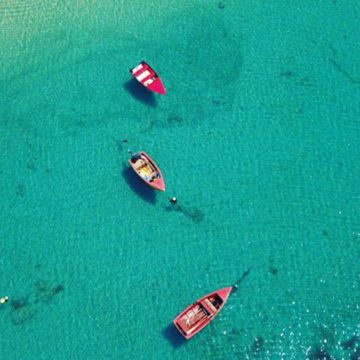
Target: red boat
x,y
201,313
147,169
148,77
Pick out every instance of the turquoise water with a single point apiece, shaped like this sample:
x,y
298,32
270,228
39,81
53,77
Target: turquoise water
x,y
258,137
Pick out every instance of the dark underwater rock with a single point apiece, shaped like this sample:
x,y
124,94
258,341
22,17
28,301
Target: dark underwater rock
x,y
22,314
350,344
45,292
320,354
273,270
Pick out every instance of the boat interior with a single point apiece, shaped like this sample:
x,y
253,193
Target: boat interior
x,y
143,75
209,306
200,313
193,318
145,169
216,300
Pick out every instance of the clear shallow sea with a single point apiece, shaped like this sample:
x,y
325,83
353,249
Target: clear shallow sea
x,y
258,137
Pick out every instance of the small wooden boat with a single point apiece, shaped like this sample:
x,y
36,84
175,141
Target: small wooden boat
x,y
147,169
201,313
148,77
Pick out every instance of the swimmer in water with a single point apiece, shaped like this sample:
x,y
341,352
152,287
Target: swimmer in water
x,y
4,300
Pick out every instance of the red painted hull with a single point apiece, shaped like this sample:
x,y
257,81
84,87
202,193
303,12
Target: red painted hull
x,y
145,74
198,315
156,181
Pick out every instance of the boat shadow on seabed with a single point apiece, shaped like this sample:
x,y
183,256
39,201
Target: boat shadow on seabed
x,y
138,186
140,92
173,335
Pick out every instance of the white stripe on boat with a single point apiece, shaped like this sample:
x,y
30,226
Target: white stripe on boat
x,y
143,75
137,68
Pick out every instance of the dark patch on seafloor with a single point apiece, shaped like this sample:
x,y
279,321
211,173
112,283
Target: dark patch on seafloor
x,y
20,190
120,144
273,270
221,5
31,165
174,119
350,344
258,346
19,303
151,125
328,334
23,309
138,186
140,92
304,81
234,332
22,314
174,336
221,102
195,215
45,292
288,74
356,354
320,354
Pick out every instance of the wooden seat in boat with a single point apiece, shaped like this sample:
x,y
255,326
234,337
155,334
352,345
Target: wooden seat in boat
x,y
192,319
139,164
210,306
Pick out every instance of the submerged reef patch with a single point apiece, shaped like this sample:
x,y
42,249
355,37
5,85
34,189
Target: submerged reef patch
x,y
273,270
288,74
350,344
19,303
20,190
21,310
174,119
320,354
221,5
24,308
356,354
45,292
303,81
149,127
23,313
31,165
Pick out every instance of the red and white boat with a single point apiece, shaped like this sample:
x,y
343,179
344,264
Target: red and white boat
x,y
145,74
201,313
147,170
